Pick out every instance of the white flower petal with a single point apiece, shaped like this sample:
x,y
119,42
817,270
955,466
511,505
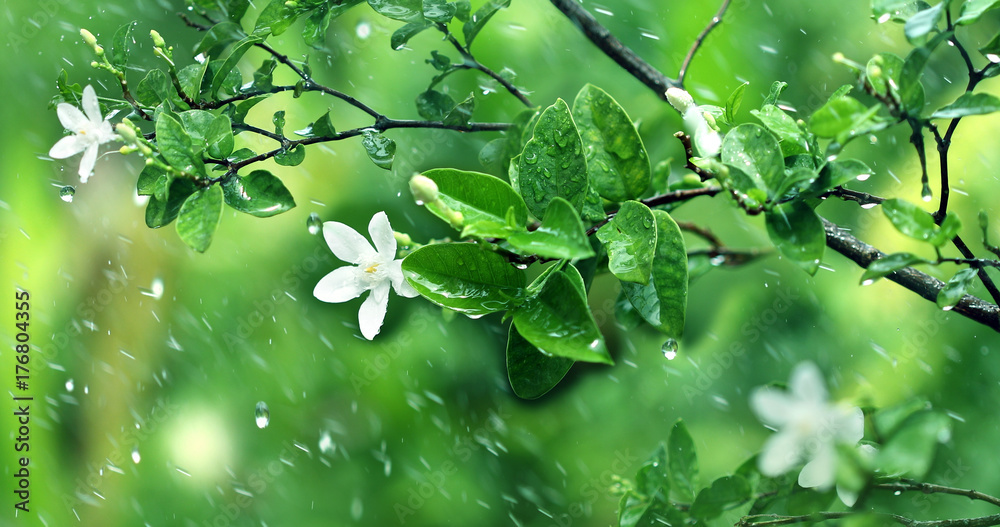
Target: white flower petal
x,y
372,311
90,105
87,162
70,145
381,233
346,243
822,470
782,451
399,283
851,426
72,118
340,285
807,383
772,407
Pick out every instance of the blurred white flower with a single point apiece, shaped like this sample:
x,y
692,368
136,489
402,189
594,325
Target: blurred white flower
x,y
374,269
808,428
90,130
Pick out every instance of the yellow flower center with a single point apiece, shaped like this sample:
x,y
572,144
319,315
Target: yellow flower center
x,y
372,268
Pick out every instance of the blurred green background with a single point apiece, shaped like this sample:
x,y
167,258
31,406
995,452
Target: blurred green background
x,y
150,358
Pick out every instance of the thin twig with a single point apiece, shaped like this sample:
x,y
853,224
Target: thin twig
x,y
472,63
716,20
930,488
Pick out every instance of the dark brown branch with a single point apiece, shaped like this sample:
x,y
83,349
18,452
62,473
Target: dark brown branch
x,y
930,488
859,252
775,519
470,62
614,49
716,20
685,140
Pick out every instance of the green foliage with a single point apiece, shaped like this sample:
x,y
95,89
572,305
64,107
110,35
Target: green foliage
x,y
465,277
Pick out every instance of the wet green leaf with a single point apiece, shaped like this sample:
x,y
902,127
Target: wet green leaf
x,y
561,234
772,97
969,104
439,11
160,212
233,59
888,264
755,151
840,172
461,114
532,373
479,197
653,476
683,462
552,162
277,16
381,150
910,219
199,217
176,146
120,46
910,451
322,127
557,320
792,139
290,157
663,302
973,10
630,239
403,35
838,116
952,292
433,105
925,21
734,102
481,17
258,194
219,137
218,37
153,89
617,164
465,277
405,10
798,233
724,493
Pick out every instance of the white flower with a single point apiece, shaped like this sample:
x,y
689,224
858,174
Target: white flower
x,y
90,130
375,269
809,428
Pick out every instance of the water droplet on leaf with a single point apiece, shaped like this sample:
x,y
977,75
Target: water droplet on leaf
x,y
669,349
66,193
262,414
314,223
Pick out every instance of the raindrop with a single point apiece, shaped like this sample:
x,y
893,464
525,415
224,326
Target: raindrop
x,y
314,223
135,455
869,205
66,193
363,30
669,349
262,414
69,385
868,282
357,508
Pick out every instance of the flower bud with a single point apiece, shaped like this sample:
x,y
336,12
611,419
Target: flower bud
x,y
157,39
88,37
456,218
402,238
127,133
424,189
680,100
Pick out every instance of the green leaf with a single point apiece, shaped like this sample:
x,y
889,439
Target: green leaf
x,y
314,30
552,162
238,113
276,17
479,197
772,97
483,15
840,172
176,146
439,11
381,150
291,158
663,302
461,113
837,116
219,137
463,10
439,62
724,493
653,476
755,151
191,78
734,102
683,462
797,181
910,451
881,69
465,277
403,35
263,77
911,91
888,420
792,139
532,373
969,104
153,89
889,263
199,217
561,234
910,219
798,233
120,46
258,194
433,105
322,127
160,212
630,239
217,38
922,23
151,178
617,164
950,227
557,320
897,10
241,47
951,294
973,10
405,10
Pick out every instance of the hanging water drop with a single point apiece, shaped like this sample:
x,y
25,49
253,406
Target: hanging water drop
x,y
314,223
669,349
262,414
135,455
66,193
925,192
